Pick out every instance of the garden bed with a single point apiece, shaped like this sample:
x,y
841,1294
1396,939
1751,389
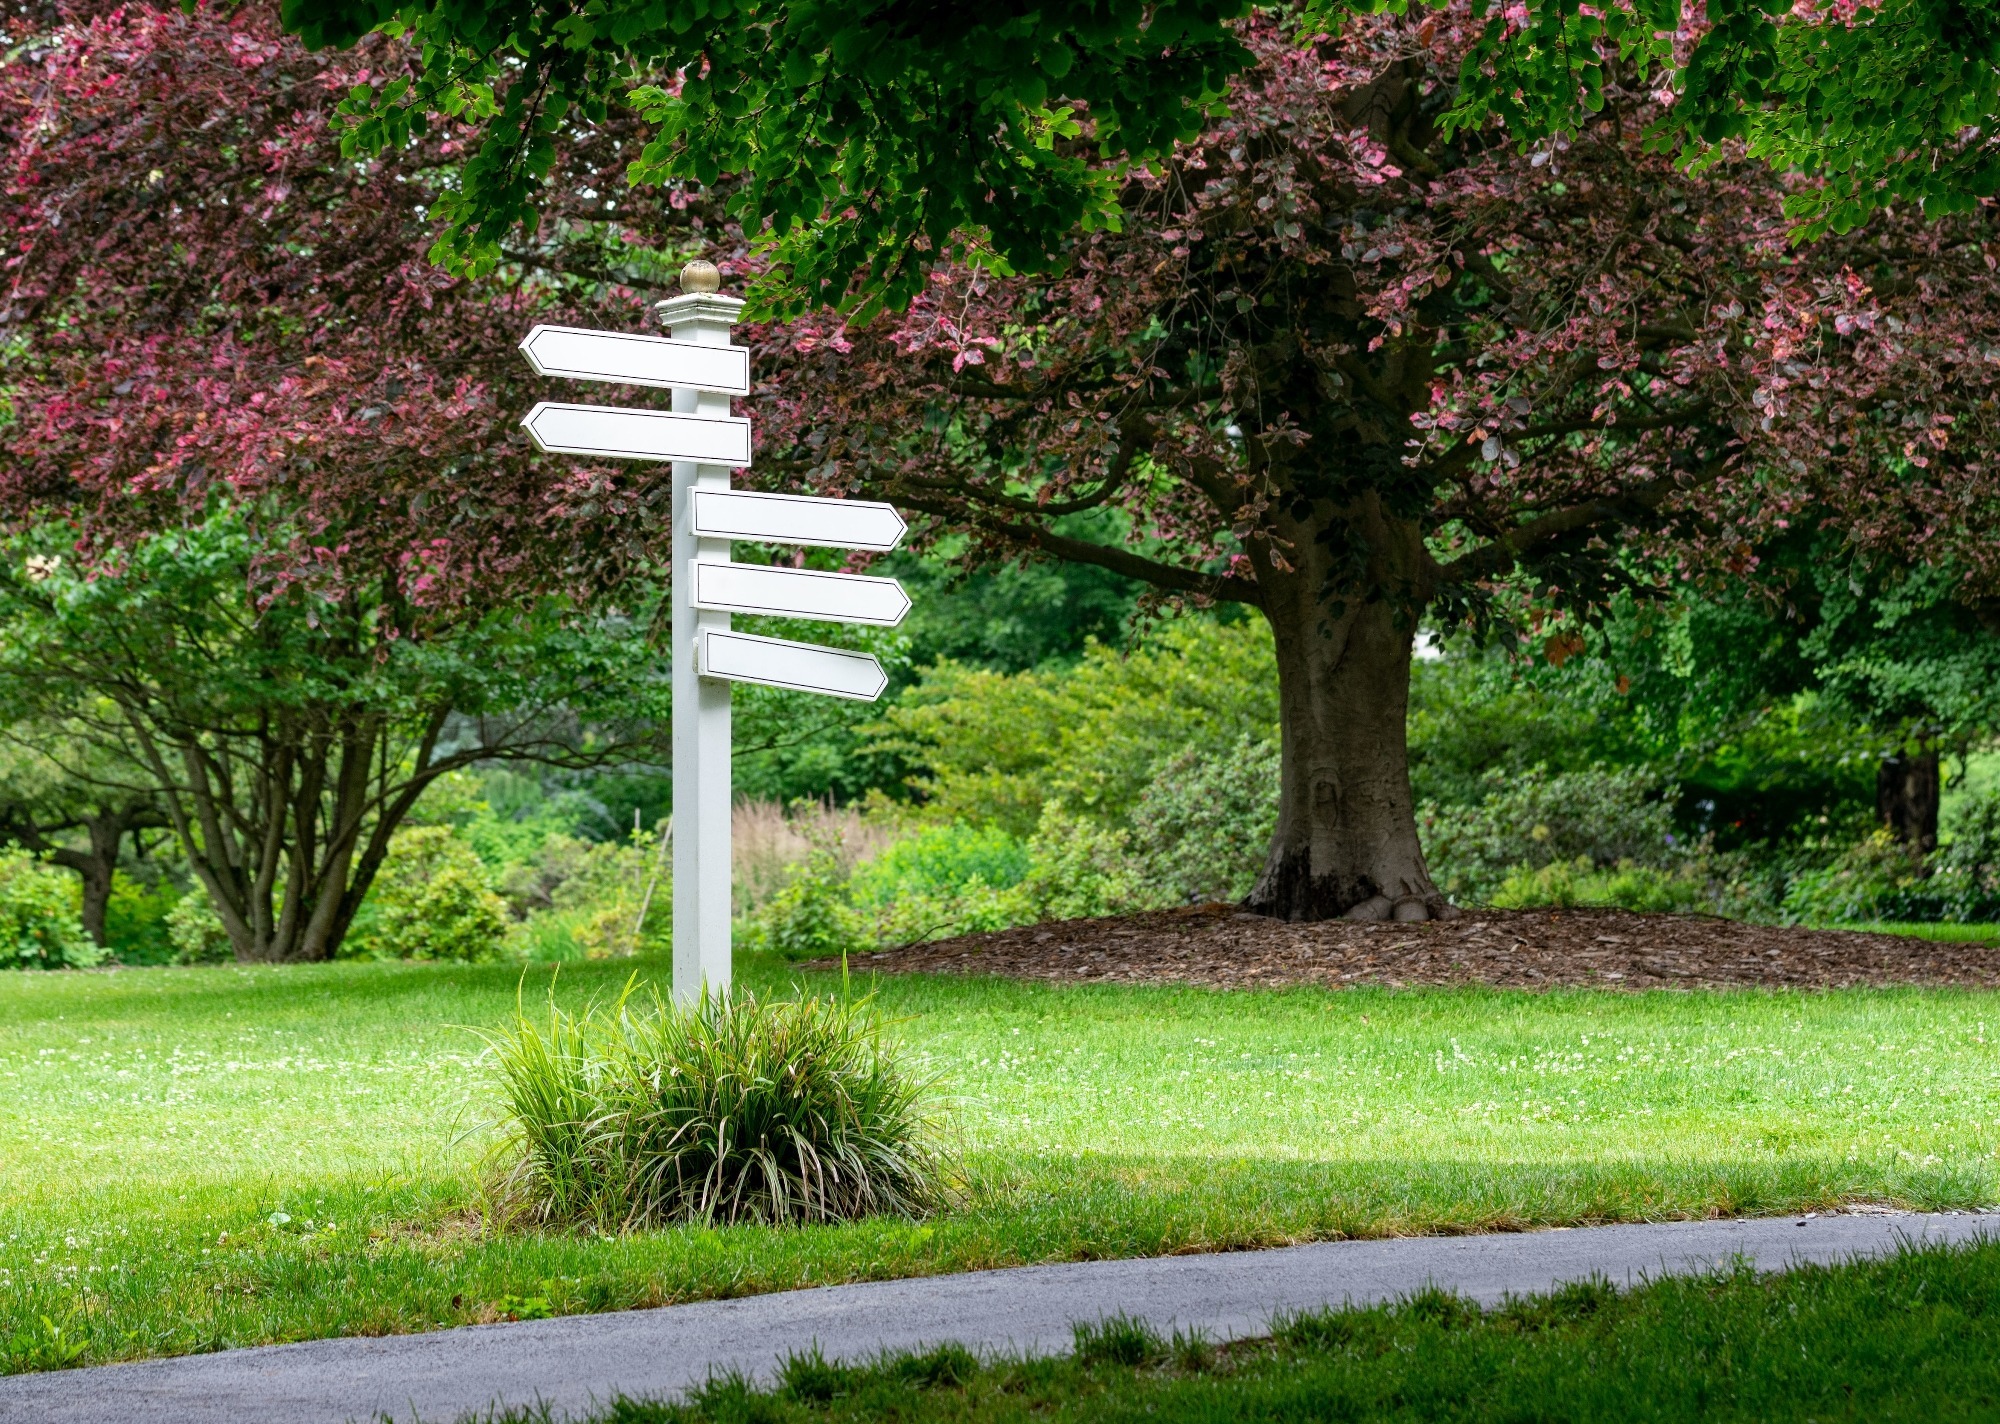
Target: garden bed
x,y
1223,946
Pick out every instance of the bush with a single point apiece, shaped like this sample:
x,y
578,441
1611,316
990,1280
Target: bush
x,y
1626,886
196,931
1202,828
431,900
1883,879
941,881
997,747
1605,815
811,917
738,1109
1078,870
41,926
135,919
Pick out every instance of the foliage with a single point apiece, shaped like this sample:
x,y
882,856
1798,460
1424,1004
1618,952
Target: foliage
x,y
943,880
197,932
869,139
39,924
1604,815
432,900
1201,828
266,326
1884,879
1477,710
287,736
994,747
811,917
136,915
1079,869
1017,616
1878,105
739,1108
583,899
1626,885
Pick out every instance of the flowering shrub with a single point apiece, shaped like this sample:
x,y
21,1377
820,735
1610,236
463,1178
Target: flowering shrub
x,y
40,925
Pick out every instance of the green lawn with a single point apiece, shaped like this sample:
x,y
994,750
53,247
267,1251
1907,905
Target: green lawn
x,y
159,1123
1914,1338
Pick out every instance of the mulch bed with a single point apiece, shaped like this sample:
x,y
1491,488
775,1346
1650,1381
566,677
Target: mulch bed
x,y
1222,946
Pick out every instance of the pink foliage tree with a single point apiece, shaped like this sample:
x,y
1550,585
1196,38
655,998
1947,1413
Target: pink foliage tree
x,y
210,315
1357,375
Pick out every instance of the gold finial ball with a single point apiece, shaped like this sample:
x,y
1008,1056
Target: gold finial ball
x,y
700,276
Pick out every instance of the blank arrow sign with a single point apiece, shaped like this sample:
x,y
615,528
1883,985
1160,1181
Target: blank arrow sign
x,y
620,433
802,667
797,519
799,593
635,360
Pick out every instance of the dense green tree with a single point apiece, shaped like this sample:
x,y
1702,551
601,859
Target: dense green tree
x,y
74,800
873,137
287,739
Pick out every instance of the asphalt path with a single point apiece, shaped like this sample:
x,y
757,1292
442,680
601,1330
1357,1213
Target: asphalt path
x,y
580,1359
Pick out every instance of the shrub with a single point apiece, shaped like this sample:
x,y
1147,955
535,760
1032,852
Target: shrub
x,y
943,880
811,917
196,931
1078,870
1885,880
736,1109
431,900
1535,818
1625,885
1203,825
135,919
997,747
40,924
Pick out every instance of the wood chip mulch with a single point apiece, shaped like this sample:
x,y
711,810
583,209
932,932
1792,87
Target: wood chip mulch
x,y
1222,946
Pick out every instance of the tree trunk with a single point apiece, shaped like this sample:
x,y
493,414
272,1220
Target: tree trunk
x,y
1346,843
1907,790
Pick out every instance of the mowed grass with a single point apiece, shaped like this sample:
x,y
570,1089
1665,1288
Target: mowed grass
x,y
191,1159
1912,1338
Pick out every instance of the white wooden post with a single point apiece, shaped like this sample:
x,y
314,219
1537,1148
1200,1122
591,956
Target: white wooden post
x,y
702,370
701,705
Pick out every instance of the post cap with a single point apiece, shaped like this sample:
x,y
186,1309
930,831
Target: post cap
x,y
701,276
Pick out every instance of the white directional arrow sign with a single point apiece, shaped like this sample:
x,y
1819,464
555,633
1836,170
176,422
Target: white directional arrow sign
x,y
621,433
797,519
799,593
802,667
636,360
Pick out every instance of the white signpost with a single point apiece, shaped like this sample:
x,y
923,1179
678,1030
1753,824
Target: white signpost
x,y
705,442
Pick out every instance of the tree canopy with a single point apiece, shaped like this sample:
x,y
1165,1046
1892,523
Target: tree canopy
x,y
873,137
1352,368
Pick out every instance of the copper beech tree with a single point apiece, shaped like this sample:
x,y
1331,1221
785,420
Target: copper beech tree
x,y
1359,375
270,537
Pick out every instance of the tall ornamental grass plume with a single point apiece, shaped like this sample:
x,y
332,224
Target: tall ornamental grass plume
x,y
735,1109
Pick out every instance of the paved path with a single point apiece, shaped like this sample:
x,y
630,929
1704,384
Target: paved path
x,y
572,1361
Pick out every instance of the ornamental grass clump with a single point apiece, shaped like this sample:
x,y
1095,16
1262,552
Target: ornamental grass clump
x,y
736,1109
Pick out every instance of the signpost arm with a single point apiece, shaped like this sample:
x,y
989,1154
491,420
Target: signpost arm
x,y
701,705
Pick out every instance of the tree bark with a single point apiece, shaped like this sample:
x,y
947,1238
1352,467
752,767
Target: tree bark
x,y
1346,842
1907,791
